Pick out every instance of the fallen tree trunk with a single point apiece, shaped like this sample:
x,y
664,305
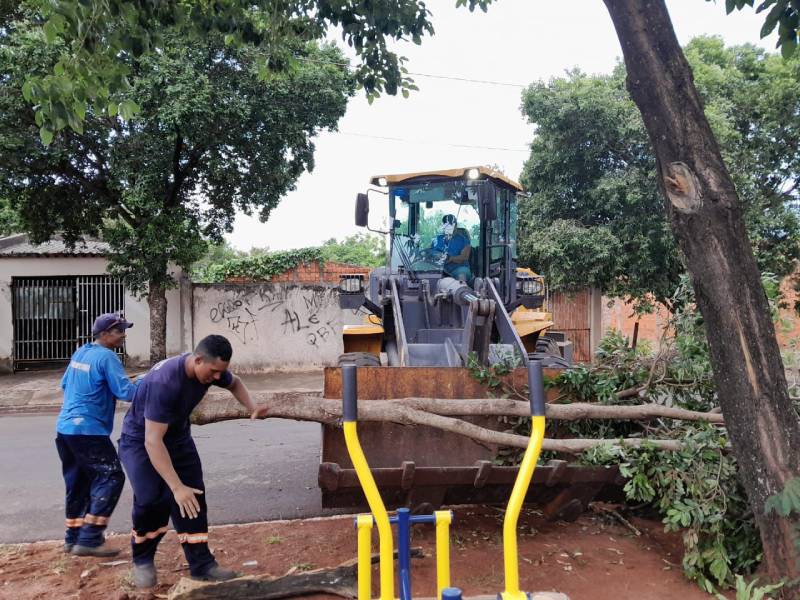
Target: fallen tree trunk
x,y
434,412
302,405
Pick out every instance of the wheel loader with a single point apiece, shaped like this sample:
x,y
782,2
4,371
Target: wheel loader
x,y
450,299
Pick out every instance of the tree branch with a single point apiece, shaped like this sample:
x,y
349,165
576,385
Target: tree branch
x,y
303,405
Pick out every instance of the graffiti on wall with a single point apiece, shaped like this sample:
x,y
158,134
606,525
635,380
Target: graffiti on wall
x,y
305,312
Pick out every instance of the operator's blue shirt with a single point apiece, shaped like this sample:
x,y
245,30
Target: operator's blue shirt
x,y
92,381
453,248
166,394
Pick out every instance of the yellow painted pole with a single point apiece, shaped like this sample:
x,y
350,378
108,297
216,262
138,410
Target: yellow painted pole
x,y
364,523
512,591
386,546
443,520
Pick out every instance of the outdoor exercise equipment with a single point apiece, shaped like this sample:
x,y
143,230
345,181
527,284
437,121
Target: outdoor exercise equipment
x,y
441,519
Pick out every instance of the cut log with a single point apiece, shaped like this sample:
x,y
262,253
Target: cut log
x,y
304,406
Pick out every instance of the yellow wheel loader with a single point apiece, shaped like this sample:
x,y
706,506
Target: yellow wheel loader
x,y
450,297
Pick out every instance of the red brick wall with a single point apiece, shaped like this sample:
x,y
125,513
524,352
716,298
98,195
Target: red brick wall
x,y
789,328
313,273
619,316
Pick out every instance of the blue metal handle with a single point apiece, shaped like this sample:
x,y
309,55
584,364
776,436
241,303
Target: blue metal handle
x,y
536,387
349,394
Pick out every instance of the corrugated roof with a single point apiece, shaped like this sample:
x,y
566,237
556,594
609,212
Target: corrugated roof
x,y
19,245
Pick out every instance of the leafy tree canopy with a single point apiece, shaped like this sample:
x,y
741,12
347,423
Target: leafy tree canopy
x,y
783,14
100,37
100,41
595,216
9,219
212,136
361,249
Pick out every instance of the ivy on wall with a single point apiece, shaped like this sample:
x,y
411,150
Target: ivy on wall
x,y
259,268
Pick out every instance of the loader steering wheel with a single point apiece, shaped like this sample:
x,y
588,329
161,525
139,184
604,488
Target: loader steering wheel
x,y
429,256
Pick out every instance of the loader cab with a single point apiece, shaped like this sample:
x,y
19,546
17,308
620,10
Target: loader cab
x,y
483,210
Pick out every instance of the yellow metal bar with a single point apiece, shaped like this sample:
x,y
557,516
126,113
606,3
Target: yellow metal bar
x,y
364,524
512,591
386,546
443,520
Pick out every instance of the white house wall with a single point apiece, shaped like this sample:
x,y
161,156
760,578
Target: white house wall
x,y
138,338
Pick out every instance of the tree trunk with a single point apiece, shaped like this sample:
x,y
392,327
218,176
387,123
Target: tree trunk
x,y
706,217
157,301
303,405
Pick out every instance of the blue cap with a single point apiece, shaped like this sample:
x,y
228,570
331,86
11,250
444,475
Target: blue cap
x,y
108,321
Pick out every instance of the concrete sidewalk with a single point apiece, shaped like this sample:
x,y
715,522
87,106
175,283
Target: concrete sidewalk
x,y
40,391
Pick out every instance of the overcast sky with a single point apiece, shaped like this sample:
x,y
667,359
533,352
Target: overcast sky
x,y
452,123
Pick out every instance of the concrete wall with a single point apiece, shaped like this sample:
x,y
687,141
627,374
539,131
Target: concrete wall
x,y
273,326
136,310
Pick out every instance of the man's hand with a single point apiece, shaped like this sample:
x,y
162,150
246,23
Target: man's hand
x,y
259,413
186,501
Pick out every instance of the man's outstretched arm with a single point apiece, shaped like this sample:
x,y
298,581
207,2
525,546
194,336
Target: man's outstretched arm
x,y
242,395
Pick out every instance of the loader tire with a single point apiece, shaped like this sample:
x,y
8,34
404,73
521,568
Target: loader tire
x,y
359,359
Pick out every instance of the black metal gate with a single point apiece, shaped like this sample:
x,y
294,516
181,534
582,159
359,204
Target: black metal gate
x,y
54,315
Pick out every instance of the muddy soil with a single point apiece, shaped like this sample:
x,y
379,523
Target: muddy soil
x,y
595,558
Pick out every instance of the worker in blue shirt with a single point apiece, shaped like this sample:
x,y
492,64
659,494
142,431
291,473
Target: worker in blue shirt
x,y
161,460
89,462
455,249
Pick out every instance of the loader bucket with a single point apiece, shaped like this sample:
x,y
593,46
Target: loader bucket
x,y
423,468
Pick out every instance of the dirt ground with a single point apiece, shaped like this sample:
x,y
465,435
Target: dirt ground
x,y
595,558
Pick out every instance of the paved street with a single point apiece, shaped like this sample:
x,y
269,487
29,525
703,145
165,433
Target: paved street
x,y
254,471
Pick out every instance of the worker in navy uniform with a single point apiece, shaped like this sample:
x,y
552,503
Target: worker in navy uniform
x,y
160,458
89,462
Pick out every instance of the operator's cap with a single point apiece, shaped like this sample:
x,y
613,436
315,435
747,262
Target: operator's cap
x,y
109,320
451,219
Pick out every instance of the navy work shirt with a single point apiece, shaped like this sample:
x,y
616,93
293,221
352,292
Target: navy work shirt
x,y
167,394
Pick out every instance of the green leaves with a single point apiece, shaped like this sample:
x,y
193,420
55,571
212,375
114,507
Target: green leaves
x,y
127,109
784,13
786,501
261,267
194,116
751,590
595,215
101,39
45,135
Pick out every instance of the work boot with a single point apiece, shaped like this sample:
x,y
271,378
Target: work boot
x,y
68,548
101,551
216,573
144,576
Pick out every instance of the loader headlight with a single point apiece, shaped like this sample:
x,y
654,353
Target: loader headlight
x,y
351,284
530,287
382,181
473,173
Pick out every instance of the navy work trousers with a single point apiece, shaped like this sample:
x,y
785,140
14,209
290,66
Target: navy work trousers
x,y
94,481
153,503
